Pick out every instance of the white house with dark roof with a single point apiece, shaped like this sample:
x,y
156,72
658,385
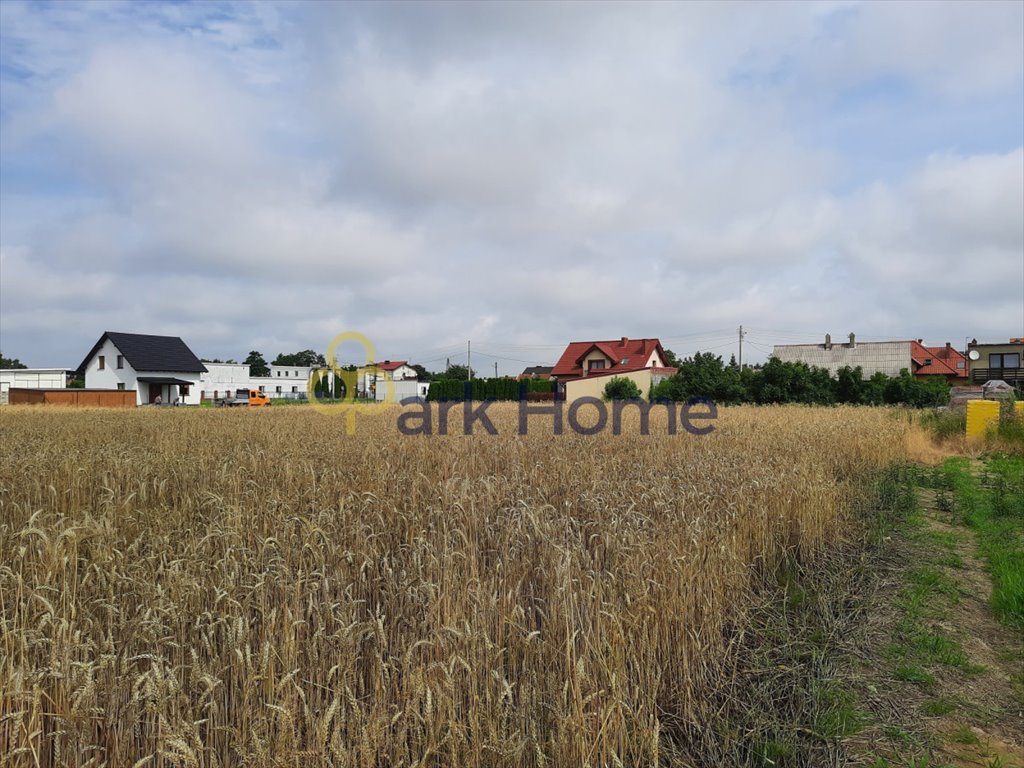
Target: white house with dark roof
x,y
154,366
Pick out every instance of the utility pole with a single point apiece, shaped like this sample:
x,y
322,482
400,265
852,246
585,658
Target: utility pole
x,y
469,362
742,334
495,369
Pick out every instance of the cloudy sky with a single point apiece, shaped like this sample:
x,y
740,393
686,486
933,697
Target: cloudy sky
x,y
260,176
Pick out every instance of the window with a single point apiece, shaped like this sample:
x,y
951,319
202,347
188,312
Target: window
x,y
286,373
278,373
263,388
594,365
296,373
295,389
183,389
960,364
120,385
120,361
103,362
1004,360
278,390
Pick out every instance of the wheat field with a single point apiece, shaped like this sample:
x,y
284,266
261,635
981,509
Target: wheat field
x,y
192,587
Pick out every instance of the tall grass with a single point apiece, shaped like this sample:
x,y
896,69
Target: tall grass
x,y
256,588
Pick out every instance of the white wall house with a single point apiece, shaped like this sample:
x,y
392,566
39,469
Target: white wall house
x,y
289,381
31,378
284,381
375,382
154,366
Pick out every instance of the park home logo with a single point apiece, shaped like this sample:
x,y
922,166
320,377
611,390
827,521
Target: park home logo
x,y
583,416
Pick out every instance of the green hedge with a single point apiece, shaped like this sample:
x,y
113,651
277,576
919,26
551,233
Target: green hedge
x,y
502,388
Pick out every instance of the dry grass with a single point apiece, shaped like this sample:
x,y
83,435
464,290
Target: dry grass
x,y
209,588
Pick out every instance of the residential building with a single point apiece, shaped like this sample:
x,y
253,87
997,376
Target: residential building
x,y
377,376
284,381
535,372
946,362
585,367
159,368
999,361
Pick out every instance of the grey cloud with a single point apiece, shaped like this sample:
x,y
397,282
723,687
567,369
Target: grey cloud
x,y
511,173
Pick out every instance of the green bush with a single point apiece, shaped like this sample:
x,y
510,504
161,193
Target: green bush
x,y
621,389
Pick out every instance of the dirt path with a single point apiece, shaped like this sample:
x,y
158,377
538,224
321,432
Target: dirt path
x,y
991,700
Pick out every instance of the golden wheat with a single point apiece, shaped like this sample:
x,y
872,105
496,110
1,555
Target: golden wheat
x,y
208,588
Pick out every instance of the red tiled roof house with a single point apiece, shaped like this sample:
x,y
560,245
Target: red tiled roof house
x,y
585,367
945,361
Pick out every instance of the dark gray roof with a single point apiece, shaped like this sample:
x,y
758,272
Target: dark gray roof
x,y
537,370
150,353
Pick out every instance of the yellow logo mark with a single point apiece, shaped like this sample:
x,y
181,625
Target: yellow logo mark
x,y
349,405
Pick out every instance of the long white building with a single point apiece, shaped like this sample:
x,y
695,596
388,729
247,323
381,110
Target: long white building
x,y
284,381
31,378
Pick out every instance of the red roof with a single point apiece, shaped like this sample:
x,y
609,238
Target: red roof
x,y
390,365
622,355
937,361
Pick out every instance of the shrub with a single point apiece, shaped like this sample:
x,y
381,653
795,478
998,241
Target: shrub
x,y
621,389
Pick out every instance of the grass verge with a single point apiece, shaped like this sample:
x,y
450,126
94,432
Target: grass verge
x,y
993,507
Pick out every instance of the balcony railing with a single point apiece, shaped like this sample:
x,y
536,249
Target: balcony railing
x,y
1009,375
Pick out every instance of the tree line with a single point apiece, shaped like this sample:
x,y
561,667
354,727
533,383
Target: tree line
x,y
776,381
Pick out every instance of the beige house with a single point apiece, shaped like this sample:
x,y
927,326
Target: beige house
x,y
587,366
593,385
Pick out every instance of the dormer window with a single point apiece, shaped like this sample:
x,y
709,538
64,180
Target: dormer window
x,y
594,365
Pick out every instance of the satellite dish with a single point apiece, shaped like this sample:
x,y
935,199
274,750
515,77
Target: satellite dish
x,y
974,354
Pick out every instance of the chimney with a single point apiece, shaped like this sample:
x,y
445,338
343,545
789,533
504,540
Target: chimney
x,y
625,340
828,341
949,345
853,341
921,342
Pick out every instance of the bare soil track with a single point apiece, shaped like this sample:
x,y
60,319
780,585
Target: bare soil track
x,y
964,705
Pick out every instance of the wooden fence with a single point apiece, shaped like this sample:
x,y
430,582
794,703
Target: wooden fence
x,y
75,398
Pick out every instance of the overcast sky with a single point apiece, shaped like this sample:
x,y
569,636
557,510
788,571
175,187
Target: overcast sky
x,y
260,176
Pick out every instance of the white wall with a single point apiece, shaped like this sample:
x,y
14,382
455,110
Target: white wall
x,y
291,372
292,380
222,378
395,392
110,376
31,378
